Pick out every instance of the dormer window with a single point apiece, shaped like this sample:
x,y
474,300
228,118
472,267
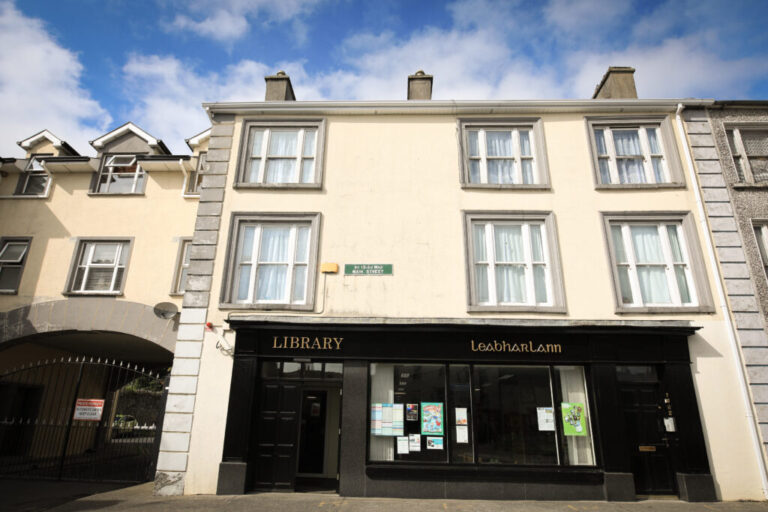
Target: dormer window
x,y
34,180
120,174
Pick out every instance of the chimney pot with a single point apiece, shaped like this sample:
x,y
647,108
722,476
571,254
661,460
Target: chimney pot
x,y
420,86
617,83
279,87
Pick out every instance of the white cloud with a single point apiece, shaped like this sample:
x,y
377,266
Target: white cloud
x,y
40,87
221,25
582,16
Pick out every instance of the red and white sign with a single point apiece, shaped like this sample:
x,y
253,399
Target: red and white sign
x,y
89,409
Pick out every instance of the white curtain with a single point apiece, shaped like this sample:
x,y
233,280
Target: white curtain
x,y
474,146
653,278
501,171
382,391
280,170
540,283
510,283
525,143
256,137
283,143
274,249
309,143
527,165
481,282
499,143
307,170
630,170
600,142
627,143
509,243
580,452
653,141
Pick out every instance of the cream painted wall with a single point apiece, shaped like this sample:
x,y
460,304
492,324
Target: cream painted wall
x,y
391,194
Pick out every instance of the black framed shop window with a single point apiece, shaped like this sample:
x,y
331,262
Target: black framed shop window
x,y
479,414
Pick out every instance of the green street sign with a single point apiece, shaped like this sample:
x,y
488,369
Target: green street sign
x,y
367,269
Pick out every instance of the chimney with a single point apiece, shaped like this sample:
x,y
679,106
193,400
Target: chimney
x,y
617,83
420,86
279,88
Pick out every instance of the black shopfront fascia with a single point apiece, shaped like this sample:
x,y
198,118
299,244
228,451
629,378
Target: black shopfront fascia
x,y
599,349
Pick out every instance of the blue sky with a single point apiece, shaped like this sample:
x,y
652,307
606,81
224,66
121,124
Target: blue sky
x,y
81,68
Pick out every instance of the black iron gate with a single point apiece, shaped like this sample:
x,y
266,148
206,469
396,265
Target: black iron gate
x,y
81,419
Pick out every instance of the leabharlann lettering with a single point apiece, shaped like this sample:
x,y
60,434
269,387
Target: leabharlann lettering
x,y
505,346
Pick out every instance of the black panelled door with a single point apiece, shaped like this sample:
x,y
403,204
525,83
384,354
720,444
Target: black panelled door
x,y
278,424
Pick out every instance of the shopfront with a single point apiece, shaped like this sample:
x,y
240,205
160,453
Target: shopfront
x,y
465,411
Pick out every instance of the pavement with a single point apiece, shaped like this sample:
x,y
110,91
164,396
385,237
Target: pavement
x,y
37,496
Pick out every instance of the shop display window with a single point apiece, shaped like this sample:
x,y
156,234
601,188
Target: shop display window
x,y
480,414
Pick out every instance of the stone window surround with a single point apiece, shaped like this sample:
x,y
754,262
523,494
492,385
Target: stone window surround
x,y
749,181
248,124
557,284
696,261
28,240
238,218
79,244
668,141
536,126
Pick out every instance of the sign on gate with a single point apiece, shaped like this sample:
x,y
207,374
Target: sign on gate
x,y
89,409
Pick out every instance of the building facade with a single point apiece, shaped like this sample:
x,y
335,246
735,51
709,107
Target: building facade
x,y
507,299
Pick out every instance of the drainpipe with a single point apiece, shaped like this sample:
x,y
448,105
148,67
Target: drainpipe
x,y
730,328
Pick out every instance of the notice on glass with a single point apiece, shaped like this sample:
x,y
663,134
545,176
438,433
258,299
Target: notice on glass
x,y
414,442
398,426
402,445
574,418
546,416
461,415
376,419
669,424
432,418
462,434
412,412
434,443
386,419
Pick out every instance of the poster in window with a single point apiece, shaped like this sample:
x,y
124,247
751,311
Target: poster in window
x,y
376,419
434,443
402,445
462,434
398,427
432,418
386,419
461,415
414,442
412,412
574,418
546,417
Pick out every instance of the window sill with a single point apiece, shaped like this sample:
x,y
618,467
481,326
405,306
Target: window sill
x,y
19,196
473,308
190,196
639,186
103,194
279,186
672,310
176,294
504,186
750,186
441,471
92,294
9,292
267,307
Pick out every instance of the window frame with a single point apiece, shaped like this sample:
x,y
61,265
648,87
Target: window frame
x,y
80,244
539,151
698,272
194,179
24,177
244,154
556,289
239,219
667,140
185,245
740,161
22,261
134,188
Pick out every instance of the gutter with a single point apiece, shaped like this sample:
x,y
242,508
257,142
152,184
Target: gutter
x,y
730,328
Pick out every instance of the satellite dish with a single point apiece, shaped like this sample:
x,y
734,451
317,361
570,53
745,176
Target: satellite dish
x,y
165,310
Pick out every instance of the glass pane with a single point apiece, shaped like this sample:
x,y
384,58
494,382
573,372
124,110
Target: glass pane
x,y
510,402
86,253
739,163
537,246
481,283
185,249
302,244
309,142
498,143
10,277
13,252
761,245
271,283
527,166
627,143
312,370
755,142
478,237
658,169
291,369
281,170
600,142
256,137
274,244
605,173
576,435
459,420
299,283
509,243
631,170
246,246
501,171
731,142
99,279
474,171
653,285
408,400
653,141
79,275
123,254
35,185
243,282
624,285
682,284
540,283
525,143
283,143
307,170
104,253
674,243
618,244
182,280
334,370
252,174
759,169
269,369
34,165
647,244
474,145
121,184
510,284
104,182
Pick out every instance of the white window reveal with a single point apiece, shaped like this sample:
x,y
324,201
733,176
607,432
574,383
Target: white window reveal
x,y
272,263
502,156
511,263
281,155
652,264
121,174
630,155
12,255
182,267
100,267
